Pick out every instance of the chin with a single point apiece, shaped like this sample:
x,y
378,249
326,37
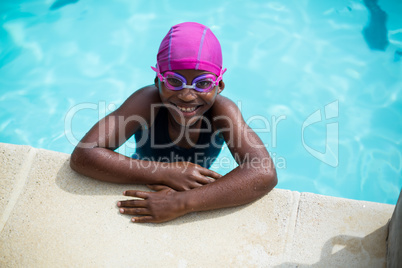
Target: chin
x,y
186,122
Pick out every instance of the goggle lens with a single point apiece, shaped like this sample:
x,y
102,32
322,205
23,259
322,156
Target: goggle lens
x,y
173,82
202,83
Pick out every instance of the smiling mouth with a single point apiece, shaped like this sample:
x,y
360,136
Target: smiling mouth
x,y
187,109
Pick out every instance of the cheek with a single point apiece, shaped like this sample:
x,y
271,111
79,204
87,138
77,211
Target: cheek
x,y
210,96
165,93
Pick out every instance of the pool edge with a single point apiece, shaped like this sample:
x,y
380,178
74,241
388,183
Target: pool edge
x,y
284,228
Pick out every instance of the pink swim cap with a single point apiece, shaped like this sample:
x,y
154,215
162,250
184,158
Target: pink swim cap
x,y
190,45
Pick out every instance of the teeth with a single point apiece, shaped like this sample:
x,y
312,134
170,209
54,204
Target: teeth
x,y
187,110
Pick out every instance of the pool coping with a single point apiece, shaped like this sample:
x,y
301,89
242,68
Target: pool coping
x,y
50,215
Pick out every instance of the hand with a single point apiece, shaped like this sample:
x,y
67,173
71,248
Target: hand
x,y
182,176
155,207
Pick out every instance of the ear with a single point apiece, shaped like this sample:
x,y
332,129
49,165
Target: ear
x,y
156,81
221,86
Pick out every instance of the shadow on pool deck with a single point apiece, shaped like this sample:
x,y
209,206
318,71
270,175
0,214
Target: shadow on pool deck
x,y
347,251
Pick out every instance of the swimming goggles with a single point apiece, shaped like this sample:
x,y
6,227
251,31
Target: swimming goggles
x,y
203,83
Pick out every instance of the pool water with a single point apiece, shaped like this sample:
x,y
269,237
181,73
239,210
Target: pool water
x,y
319,81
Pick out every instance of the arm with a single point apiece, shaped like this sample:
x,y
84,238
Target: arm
x,y
94,156
254,177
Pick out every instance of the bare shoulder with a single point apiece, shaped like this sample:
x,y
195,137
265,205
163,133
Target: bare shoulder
x,y
224,106
224,112
140,102
142,97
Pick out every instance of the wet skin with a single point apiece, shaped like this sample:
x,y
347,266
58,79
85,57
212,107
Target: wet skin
x,y
177,102
180,187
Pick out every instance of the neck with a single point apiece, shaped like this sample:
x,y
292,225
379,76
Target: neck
x,y
176,127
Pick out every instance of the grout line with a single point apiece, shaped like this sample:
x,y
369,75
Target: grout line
x,y
292,227
20,181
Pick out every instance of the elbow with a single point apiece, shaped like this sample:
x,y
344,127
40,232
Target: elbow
x,y
73,161
264,176
273,178
267,175
77,160
268,179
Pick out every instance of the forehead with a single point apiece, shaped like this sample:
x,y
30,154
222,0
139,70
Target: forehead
x,y
191,74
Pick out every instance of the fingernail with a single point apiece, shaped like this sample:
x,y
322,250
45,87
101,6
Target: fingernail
x,y
121,210
118,204
133,220
124,193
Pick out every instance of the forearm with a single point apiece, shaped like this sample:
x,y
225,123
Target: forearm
x,y
242,185
106,165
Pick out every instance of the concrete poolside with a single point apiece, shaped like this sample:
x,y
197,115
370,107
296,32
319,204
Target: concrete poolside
x,y
52,216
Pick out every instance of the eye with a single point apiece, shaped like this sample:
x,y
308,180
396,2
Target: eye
x,y
204,84
174,82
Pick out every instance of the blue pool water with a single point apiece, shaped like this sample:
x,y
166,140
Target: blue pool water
x,y
320,81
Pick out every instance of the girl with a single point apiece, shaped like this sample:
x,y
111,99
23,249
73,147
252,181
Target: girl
x,y
180,124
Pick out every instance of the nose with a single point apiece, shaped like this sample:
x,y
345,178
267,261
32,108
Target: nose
x,y
187,94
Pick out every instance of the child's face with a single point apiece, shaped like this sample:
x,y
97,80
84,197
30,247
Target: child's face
x,y
187,105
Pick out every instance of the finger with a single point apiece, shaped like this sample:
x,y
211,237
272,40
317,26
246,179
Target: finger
x,y
158,187
143,219
132,203
135,193
196,185
210,173
185,188
204,180
134,211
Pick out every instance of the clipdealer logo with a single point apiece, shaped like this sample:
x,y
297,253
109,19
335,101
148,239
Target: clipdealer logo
x,y
328,115
330,155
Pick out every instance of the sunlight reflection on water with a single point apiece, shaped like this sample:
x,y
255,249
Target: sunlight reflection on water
x,y
288,58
